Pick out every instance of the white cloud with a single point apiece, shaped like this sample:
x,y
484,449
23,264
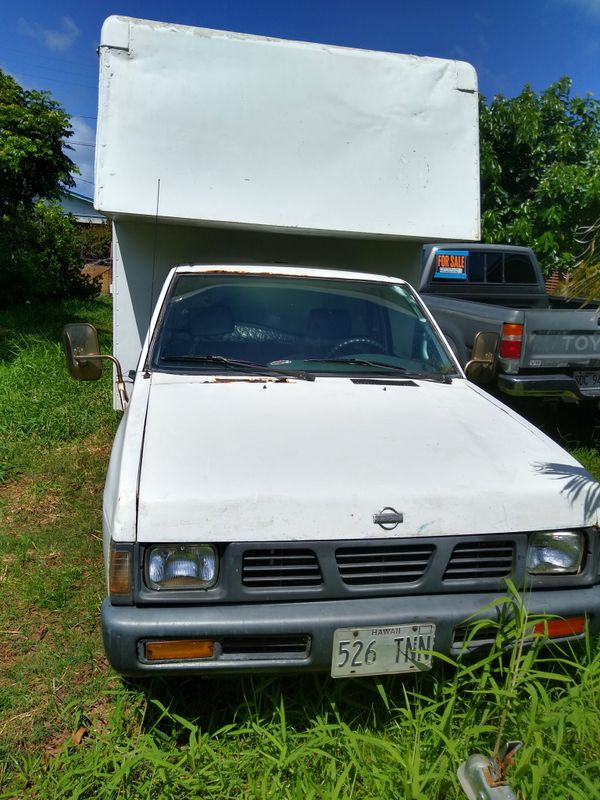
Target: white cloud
x,y
459,53
483,43
483,20
591,7
58,40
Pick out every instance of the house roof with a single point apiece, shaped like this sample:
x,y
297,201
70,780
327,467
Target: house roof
x,y
81,207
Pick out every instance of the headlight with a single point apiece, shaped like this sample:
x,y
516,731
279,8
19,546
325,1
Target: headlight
x,y
181,566
555,553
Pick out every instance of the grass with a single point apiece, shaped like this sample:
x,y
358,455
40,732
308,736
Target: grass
x,y
70,728
41,406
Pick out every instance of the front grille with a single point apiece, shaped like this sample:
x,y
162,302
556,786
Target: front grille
x,y
280,568
480,560
338,569
266,647
368,565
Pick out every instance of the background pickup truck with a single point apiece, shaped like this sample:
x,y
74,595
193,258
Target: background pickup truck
x,y
549,346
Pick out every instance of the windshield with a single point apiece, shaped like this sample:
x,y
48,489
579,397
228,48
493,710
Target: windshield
x,y
217,323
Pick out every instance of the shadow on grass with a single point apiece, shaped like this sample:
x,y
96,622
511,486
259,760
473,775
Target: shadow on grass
x,y
215,703
299,702
569,424
24,325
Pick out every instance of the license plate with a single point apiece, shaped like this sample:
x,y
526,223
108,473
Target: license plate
x,y
382,650
588,381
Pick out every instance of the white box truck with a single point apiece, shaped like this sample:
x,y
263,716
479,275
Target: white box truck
x,y
221,147
304,478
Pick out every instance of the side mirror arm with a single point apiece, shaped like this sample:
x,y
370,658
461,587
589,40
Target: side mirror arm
x,y
122,391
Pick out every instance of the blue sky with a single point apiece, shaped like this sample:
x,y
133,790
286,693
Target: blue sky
x,y
52,45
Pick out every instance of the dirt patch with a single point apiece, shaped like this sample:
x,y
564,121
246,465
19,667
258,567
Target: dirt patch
x,y
5,563
8,657
99,714
24,720
21,640
26,497
99,449
96,445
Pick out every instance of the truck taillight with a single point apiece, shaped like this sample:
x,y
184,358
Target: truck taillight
x,y
511,340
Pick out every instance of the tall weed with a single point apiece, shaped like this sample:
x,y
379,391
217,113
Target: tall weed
x,y
41,405
400,737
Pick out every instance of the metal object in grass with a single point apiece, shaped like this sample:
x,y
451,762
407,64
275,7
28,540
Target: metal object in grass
x,y
484,778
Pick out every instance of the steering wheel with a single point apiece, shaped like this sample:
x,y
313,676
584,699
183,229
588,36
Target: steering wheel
x,y
350,346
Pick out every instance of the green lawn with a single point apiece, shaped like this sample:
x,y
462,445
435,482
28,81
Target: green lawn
x,y
70,728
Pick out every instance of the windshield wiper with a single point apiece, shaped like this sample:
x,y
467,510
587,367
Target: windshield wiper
x,y
438,377
238,363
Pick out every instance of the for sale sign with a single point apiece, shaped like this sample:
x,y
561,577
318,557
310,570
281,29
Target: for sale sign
x,y
451,264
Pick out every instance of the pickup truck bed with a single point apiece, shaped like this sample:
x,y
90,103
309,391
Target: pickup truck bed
x,y
550,346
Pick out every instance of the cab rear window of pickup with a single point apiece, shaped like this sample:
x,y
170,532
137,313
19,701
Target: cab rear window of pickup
x,y
488,267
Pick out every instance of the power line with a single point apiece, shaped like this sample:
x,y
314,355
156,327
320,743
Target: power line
x,y
81,144
46,67
73,83
53,80
27,54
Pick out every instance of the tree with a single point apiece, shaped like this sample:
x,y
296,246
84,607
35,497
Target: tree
x,y
33,128
38,247
43,260
95,241
540,171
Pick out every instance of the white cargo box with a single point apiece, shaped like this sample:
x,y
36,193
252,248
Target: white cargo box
x,y
218,147
276,135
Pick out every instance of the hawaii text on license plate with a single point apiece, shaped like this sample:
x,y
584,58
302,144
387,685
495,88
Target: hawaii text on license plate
x,y
377,651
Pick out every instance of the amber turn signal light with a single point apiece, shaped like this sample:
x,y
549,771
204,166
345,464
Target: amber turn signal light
x,y
119,574
180,649
511,340
556,628
512,329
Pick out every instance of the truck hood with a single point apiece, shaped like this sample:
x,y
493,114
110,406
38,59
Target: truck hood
x,y
263,460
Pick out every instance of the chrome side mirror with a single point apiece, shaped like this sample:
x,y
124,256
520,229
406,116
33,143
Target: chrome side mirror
x,y
84,360
481,368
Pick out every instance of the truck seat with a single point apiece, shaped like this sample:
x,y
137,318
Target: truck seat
x,y
210,327
326,328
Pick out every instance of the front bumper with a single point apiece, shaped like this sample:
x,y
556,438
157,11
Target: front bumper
x,y
127,628
562,386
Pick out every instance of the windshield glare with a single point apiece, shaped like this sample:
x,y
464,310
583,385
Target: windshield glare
x,y
294,323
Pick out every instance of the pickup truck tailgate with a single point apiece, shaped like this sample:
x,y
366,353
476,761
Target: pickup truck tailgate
x,y
560,338
565,340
